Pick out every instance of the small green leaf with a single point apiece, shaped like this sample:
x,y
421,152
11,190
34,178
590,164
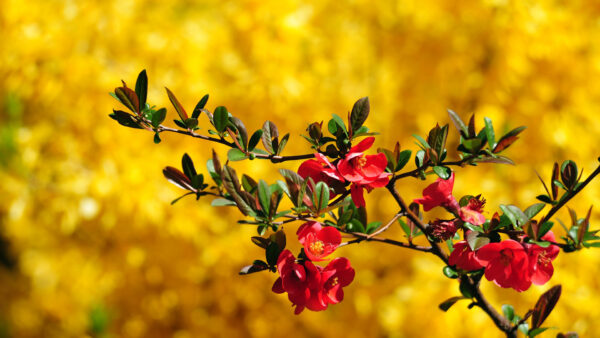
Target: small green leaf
x,y
466,289
533,210
191,123
371,227
201,104
235,154
509,312
321,196
222,202
283,142
124,119
340,123
156,138
264,195
458,123
220,118
424,144
450,272
537,331
158,117
489,131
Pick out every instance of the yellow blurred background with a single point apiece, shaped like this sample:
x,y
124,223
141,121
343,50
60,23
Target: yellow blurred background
x,y
95,249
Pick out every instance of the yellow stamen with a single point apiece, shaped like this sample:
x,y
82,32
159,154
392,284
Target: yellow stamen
x,y
317,247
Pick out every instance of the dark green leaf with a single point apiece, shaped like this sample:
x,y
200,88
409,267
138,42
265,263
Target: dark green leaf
x,y
403,158
466,289
514,214
188,166
254,267
157,138
180,124
272,253
355,226
201,104
535,332
359,114
254,139
220,118
191,123
545,199
340,123
447,304
141,88
321,196
371,227
124,119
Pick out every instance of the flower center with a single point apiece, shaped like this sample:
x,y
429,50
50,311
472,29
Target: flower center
x,y
361,161
543,260
334,281
317,247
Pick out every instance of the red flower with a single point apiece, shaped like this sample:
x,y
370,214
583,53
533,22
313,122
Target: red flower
x,y
318,241
439,193
443,230
540,260
364,171
321,170
463,257
471,212
337,274
507,264
302,282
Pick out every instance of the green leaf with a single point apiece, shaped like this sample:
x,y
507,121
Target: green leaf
x,y
220,118
472,145
476,240
156,138
283,142
424,144
201,104
340,123
359,114
332,127
141,88
447,304
257,266
158,117
264,195
509,312
180,124
272,253
450,272
235,154
458,123
321,196
466,289
489,131
178,107
545,199
188,166
191,123
270,133
442,172
514,214
254,139
403,158
124,119
355,226
533,210
537,331
241,128
222,202
371,227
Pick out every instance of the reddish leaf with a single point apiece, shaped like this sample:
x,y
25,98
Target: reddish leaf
x,y
178,107
583,227
544,306
178,178
554,178
129,98
472,126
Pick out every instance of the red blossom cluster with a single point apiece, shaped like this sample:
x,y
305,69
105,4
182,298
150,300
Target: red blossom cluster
x,y
509,263
363,171
311,286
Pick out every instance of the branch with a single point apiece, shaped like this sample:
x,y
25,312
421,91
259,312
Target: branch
x,y
415,172
364,237
273,158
